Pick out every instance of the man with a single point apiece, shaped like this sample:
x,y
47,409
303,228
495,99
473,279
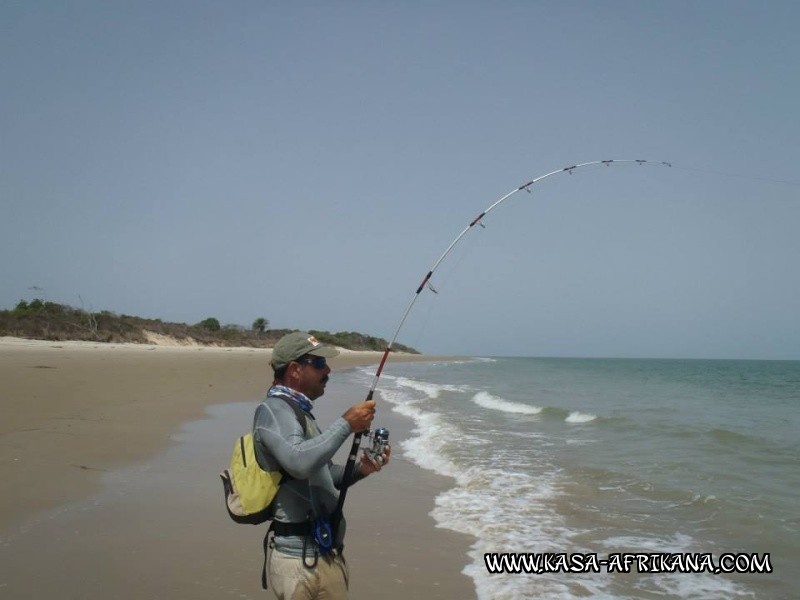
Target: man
x,y
305,561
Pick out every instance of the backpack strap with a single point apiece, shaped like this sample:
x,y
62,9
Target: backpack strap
x,y
298,412
301,417
266,549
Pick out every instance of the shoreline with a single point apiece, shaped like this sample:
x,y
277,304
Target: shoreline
x,y
79,416
77,409
395,548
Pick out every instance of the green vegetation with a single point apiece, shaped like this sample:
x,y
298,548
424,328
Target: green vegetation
x,y
43,320
354,340
211,324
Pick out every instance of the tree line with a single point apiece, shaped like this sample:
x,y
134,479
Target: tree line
x,y
40,319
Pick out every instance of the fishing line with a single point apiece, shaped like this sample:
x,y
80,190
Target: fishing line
x,y
426,284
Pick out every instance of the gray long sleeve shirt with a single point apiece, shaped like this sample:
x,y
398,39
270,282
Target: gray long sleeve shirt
x,y
280,442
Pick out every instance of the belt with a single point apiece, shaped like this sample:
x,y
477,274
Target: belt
x,y
282,529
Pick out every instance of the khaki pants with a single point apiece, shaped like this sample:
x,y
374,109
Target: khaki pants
x,y
290,579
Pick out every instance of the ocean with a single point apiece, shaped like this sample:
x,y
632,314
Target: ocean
x,y
609,456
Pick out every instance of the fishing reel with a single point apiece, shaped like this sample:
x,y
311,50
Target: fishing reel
x,y
379,439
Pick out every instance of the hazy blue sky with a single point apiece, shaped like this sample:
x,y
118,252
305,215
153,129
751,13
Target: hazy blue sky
x,y
307,162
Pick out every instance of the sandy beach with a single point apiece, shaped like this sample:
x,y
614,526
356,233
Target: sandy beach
x,y
109,459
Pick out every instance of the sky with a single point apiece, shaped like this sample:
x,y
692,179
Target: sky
x,y
308,162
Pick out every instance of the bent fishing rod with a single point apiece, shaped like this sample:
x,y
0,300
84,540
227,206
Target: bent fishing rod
x,y
351,459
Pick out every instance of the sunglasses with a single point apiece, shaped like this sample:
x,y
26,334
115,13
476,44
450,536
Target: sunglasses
x,y
318,362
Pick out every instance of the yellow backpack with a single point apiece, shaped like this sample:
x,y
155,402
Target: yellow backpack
x,y
249,489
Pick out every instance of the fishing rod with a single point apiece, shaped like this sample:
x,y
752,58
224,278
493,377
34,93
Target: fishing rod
x,y
351,459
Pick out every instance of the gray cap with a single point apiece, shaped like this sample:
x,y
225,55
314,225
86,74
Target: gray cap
x,y
294,345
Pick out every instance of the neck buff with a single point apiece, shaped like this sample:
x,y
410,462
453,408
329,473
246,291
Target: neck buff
x,y
298,398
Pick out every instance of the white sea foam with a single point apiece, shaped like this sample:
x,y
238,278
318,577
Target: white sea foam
x,y
704,499
426,448
579,417
678,542
697,586
430,433
504,509
514,494
432,390
570,442
486,400
486,500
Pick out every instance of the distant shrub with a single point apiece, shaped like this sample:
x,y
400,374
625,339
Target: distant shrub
x,y
260,325
29,308
210,323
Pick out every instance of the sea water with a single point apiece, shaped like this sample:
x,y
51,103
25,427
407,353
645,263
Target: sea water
x,y
612,456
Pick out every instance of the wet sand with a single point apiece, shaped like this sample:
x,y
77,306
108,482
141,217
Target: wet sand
x,y
107,493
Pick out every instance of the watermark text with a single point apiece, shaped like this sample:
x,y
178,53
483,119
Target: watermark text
x,y
622,562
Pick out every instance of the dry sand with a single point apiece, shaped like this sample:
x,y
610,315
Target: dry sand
x,y
98,500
